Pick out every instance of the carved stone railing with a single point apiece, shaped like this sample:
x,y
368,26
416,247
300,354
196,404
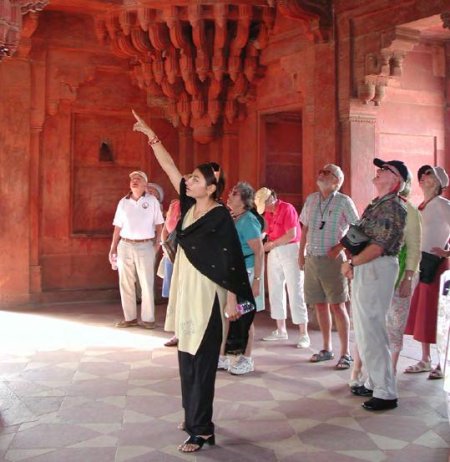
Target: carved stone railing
x,y
199,61
11,25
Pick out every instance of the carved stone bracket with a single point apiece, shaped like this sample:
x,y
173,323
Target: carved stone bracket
x,y
316,16
199,60
13,28
382,66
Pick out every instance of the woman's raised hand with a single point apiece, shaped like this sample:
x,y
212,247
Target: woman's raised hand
x,y
141,126
162,155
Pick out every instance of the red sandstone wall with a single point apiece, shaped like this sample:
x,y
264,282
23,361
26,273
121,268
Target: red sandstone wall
x,y
409,120
299,79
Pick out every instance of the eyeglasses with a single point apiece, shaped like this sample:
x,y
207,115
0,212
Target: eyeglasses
x,y
385,168
326,173
428,172
234,192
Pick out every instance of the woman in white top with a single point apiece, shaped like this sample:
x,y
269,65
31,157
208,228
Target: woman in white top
x,y
435,211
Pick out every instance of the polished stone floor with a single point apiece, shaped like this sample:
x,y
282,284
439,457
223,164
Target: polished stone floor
x,y
75,389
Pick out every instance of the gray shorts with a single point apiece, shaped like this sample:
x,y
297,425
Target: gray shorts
x,y
324,282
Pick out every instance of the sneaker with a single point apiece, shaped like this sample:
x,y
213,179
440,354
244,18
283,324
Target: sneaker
x,y
243,366
304,341
276,335
224,363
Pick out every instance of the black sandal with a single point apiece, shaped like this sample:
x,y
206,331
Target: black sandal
x,y
323,355
197,441
344,363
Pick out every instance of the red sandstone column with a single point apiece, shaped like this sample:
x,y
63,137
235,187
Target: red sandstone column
x,y
447,111
230,155
14,173
358,152
37,122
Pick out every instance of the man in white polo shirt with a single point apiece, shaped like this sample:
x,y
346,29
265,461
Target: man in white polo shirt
x,y
137,229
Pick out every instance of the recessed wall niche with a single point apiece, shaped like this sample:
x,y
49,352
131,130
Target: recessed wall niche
x,y
99,173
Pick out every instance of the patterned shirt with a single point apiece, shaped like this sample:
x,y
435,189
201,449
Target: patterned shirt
x,y
327,221
384,221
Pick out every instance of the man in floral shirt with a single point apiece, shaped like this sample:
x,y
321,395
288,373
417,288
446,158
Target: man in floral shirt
x,y
374,271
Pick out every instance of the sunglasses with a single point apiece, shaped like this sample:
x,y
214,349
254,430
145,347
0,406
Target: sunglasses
x,y
385,168
326,173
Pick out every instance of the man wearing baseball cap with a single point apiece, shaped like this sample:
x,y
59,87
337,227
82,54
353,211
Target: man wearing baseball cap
x,y
137,229
373,271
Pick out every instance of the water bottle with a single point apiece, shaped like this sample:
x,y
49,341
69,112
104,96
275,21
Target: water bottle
x,y
245,307
114,261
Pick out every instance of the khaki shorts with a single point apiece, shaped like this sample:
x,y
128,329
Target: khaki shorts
x,y
324,282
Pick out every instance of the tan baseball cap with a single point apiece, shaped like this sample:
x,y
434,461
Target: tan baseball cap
x,y
140,173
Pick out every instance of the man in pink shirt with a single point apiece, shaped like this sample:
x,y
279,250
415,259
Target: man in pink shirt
x,y
283,272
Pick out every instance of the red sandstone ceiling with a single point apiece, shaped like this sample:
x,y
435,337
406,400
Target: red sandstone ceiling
x,y
430,28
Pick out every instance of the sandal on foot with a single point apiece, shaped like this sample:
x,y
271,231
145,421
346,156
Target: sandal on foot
x,y
421,366
436,374
344,362
197,442
323,355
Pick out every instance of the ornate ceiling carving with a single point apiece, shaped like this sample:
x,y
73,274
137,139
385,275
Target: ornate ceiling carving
x,y
201,61
11,12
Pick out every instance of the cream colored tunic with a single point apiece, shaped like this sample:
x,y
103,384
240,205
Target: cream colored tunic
x,y
191,300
